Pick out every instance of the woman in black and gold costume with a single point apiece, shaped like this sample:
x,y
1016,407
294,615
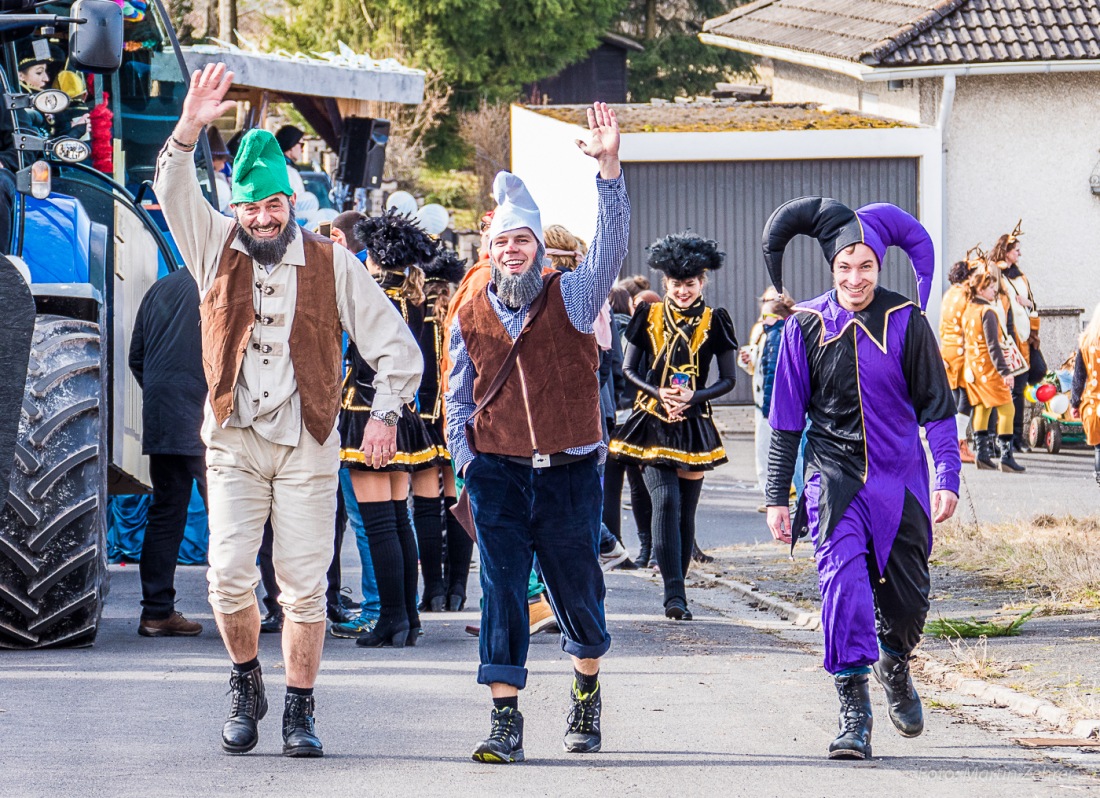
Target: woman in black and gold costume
x,y
670,433
434,489
394,248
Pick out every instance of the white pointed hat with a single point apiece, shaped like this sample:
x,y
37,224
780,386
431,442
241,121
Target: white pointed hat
x,y
516,207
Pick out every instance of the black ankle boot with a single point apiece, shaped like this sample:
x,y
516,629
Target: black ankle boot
x,y
1008,462
854,740
249,705
901,697
677,609
504,744
983,451
385,633
299,738
582,734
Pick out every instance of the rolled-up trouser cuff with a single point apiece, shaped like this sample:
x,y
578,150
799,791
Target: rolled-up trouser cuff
x,y
502,674
582,651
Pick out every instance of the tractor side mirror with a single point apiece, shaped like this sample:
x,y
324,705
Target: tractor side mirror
x,y
95,43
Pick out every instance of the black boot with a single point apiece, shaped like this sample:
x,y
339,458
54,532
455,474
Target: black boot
x,y
983,451
1008,462
249,705
273,622
854,740
504,744
901,697
582,736
299,738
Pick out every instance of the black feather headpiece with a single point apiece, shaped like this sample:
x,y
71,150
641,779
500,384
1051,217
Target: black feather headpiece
x,y
394,242
685,255
445,266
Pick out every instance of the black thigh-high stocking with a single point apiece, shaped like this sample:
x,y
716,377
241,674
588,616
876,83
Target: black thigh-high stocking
x,y
408,550
612,497
460,549
642,507
689,502
664,490
428,520
388,560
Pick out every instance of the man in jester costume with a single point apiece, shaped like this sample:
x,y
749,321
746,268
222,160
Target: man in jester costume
x,y
861,364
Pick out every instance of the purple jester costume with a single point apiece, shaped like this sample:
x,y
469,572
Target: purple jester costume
x,y
866,381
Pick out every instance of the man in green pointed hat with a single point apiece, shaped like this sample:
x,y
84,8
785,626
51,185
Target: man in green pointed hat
x,y
275,300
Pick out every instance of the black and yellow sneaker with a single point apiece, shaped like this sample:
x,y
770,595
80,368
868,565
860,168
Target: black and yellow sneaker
x,y
583,734
505,742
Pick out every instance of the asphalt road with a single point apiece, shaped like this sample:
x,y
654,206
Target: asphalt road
x,y
733,703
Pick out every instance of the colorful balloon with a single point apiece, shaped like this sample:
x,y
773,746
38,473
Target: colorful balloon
x,y
1045,392
1029,393
1059,404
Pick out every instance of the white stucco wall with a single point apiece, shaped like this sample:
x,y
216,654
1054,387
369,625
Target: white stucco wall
x,y
1023,146
794,83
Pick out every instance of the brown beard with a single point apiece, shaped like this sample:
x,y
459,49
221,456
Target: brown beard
x,y
269,252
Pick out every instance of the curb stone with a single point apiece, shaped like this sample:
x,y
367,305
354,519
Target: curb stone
x,y
931,667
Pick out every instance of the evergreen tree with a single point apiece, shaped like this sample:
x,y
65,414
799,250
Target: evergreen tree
x,y
675,63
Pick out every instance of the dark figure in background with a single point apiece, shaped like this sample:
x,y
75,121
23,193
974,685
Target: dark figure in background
x,y
166,360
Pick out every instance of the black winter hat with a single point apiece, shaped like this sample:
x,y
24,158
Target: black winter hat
x,y
288,136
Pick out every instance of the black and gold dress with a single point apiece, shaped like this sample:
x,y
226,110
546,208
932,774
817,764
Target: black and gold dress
x,y
430,394
416,449
667,345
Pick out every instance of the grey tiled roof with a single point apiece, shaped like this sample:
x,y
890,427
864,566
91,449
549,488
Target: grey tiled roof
x,y
900,33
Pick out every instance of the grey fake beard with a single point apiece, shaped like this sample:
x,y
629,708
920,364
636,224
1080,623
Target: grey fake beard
x,y
517,290
268,252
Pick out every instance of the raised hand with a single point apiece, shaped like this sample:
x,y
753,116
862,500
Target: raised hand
x,y
205,100
603,143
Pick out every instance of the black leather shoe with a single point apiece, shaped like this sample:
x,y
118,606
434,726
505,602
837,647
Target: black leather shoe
x,y
854,740
677,610
504,744
272,624
455,602
249,705
386,633
901,697
299,738
582,736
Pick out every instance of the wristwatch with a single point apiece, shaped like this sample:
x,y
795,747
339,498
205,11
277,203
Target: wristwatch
x,y
388,417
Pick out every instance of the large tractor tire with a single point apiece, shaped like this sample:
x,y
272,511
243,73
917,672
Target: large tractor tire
x,y
53,536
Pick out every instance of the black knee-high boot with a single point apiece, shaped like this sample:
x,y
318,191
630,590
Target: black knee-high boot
x,y
408,550
641,506
460,548
389,572
664,490
428,520
690,489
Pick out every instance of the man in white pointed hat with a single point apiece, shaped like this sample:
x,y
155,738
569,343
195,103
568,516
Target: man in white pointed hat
x,y
529,453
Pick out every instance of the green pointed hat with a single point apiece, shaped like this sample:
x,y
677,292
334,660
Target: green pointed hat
x,y
259,170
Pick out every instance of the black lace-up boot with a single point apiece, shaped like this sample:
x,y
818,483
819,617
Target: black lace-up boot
x,y
1008,462
248,707
854,740
505,741
299,737
583,734
901,697
983,451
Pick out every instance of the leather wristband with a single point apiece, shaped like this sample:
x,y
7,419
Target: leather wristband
x,y
183,146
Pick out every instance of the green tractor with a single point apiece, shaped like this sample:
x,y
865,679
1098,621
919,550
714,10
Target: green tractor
x,y
82,248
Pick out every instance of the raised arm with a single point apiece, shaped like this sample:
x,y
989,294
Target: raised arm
x,y
586,289
198,228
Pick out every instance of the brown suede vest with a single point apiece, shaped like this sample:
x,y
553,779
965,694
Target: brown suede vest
x,y
228,315
551,400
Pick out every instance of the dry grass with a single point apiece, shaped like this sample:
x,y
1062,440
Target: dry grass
x,y
1056,556
974,659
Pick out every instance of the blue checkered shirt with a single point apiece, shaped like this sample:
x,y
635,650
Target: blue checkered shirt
x,y
584,291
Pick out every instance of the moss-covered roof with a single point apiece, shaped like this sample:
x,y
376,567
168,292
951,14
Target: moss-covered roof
x,y
704,117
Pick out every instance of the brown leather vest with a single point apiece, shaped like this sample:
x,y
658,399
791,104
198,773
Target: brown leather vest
x,y
228,315
551,400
